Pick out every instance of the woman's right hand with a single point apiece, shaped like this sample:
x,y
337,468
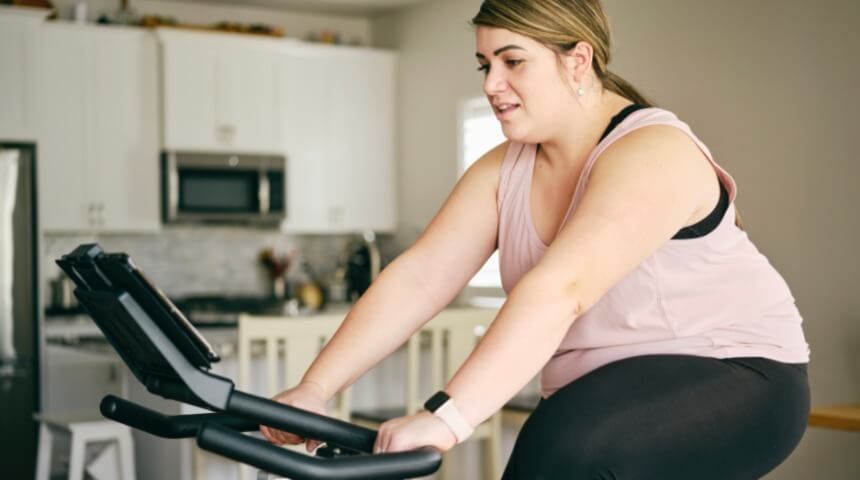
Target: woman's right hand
x,y
306,396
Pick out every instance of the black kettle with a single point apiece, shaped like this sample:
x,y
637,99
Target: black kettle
x,y
361,261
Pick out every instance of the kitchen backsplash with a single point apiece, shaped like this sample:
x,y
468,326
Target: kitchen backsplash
x,y
195,260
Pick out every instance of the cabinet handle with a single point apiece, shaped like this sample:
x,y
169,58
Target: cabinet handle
x,y
226,133
335,215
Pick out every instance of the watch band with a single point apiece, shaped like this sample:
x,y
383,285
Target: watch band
x,y
442,406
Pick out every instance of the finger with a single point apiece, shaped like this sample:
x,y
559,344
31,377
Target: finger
x,y
280,437
268,434
312,445
385,440
380,441
274,436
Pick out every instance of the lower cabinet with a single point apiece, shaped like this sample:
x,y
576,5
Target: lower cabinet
x,y
98,129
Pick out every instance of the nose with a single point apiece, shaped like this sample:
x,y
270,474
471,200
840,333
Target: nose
x,y
495,82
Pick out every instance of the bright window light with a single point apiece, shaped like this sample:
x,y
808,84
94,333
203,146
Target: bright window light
x,y
479,132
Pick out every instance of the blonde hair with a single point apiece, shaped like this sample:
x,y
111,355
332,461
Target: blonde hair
x,y
561,24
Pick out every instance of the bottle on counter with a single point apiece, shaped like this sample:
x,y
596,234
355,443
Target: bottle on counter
x,y
308,290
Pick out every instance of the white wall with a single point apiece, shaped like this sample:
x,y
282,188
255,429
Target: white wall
x,y
768,85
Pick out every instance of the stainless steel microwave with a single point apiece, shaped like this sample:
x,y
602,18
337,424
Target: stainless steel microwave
x,y
223,188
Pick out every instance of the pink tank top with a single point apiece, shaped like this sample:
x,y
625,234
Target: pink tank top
x,y
714,296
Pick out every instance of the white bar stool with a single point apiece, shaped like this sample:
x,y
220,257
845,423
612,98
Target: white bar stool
x,y
115,462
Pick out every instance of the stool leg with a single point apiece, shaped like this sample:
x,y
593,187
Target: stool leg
x,y
493,448
199,463
46,446
444,472
245,472
126,455
76,457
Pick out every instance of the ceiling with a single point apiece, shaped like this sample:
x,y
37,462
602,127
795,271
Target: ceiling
x,y
336,7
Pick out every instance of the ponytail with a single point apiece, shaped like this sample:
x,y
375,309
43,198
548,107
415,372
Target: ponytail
x,y
616,84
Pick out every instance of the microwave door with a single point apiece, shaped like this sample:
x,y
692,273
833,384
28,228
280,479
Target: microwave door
x,y
223,188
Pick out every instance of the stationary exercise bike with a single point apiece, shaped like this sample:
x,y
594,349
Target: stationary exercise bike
x,y
170,357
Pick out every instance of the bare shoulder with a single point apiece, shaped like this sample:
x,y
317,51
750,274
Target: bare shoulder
x,y
660,146
665,157
490,163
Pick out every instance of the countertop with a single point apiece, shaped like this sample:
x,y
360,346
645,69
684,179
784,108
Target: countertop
x,y
80,328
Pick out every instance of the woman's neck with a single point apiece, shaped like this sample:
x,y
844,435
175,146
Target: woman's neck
x,y
570,147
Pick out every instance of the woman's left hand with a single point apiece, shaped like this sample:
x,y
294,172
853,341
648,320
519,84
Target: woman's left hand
x,y
414,431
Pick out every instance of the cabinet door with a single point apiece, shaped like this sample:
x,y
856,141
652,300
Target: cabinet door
x,y
63,150
17,76
191,92
307,108
125,130
220,93
338,109
363,130
248,108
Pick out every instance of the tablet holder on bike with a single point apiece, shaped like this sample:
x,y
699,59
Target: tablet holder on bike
x,y
169,356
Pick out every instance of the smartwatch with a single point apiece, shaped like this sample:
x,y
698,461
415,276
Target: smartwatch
x,y
442,405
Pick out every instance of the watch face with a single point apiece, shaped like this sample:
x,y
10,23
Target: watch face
x,y
436,401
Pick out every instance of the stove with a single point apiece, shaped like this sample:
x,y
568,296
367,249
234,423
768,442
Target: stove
x,y
215,311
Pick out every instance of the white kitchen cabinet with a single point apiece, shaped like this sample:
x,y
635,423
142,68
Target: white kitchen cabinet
x,y
19,34
338,136
220,92
98,129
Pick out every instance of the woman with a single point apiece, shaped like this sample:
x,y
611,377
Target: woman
x,y
668,346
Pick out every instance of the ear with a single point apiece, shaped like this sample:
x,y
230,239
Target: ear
x,y
578,59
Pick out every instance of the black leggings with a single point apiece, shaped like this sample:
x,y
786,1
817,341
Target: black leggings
x,y
665,417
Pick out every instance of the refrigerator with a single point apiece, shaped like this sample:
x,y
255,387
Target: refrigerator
x,y
19,312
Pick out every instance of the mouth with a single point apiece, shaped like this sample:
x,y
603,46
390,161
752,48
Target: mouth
x,y
503,109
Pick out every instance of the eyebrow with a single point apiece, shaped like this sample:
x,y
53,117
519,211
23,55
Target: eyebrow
x,y
500,50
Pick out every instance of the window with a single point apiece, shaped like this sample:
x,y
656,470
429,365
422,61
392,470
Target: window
x,y
479,132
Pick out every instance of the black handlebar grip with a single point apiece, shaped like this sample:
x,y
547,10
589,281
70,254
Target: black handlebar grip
x,y
296,466
301,422
165,426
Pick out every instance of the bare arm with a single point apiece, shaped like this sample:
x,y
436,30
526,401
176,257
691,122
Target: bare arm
x,y
645,188
419,283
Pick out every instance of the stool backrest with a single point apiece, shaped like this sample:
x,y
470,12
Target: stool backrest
x,y
290,345
452,336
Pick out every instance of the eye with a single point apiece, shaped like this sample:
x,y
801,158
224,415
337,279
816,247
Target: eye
x,y
513,62
484,68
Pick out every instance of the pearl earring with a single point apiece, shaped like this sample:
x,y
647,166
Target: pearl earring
x,y
580,91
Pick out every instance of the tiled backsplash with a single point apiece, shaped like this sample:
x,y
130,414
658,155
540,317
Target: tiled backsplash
x,y
192,260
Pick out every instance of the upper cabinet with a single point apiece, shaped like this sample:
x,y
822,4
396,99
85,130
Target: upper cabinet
x,y
328,109
338,136
98,129
220,92
19,34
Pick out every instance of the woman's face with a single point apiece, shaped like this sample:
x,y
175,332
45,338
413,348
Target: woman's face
x,y
523,84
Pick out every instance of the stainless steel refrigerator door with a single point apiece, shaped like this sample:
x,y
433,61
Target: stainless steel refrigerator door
x,y
9,164
18,312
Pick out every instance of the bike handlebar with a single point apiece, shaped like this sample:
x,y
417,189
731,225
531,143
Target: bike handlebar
x,y
270,458
220,433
